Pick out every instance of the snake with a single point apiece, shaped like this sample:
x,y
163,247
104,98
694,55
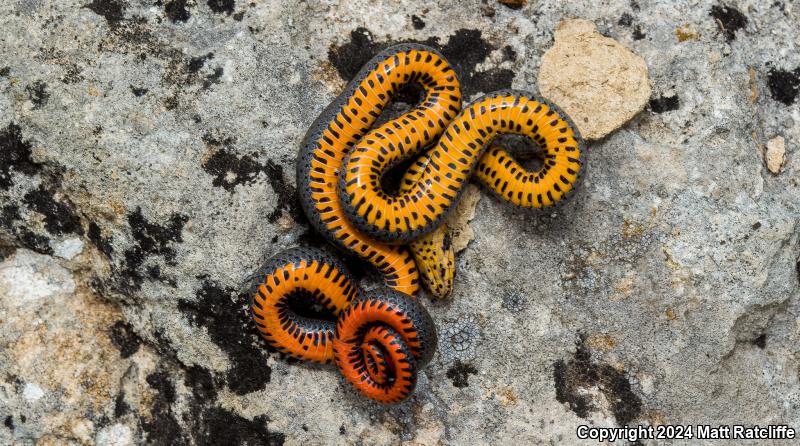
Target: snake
x,y
465,147
346,121
380,340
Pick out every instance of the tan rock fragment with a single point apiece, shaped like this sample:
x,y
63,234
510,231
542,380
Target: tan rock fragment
x,y
458,222
599,83
514,4
775,154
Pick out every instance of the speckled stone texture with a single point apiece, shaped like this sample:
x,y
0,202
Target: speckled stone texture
x,y
147,169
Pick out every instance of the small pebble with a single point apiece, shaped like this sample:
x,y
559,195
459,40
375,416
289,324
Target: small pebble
x,y
775,154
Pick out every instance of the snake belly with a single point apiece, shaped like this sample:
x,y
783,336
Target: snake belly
x,y
379,342
344,123
460,152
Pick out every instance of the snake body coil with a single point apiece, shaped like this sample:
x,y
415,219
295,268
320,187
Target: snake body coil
x,y
343,123
446,168
380,341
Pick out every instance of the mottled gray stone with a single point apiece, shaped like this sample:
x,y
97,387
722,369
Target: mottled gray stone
x,y
163,135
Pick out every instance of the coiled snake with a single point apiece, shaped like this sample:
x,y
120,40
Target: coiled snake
x,y
380,341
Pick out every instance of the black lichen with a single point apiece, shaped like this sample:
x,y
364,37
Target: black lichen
x,y
111,10
760,341
121,407
222,6
9,422
162,428
287,195
663,103
6,251
223,427
213,77
201,381
124,338
196,63
509,53
95,235
15,155
59,216
9,215
625,19
638,34
176,10
465,50
208,424
138,92
226,316
784,85
797,268
151,239
38,94
161,383
729,19
417,22
459,374
230,170
579,374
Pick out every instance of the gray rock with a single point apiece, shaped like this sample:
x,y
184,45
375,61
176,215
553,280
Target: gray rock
x,y
163,136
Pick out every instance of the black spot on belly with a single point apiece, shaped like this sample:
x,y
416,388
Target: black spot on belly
x,y
580,373
784,86
663,103
465,50
729,19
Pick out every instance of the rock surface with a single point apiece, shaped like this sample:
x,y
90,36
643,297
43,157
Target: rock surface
x,y
162,136
598,82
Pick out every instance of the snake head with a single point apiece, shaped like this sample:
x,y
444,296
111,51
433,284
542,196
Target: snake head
x,y
435,261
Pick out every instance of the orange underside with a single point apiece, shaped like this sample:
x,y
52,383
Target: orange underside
x,y
326,283
357,116
453,160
